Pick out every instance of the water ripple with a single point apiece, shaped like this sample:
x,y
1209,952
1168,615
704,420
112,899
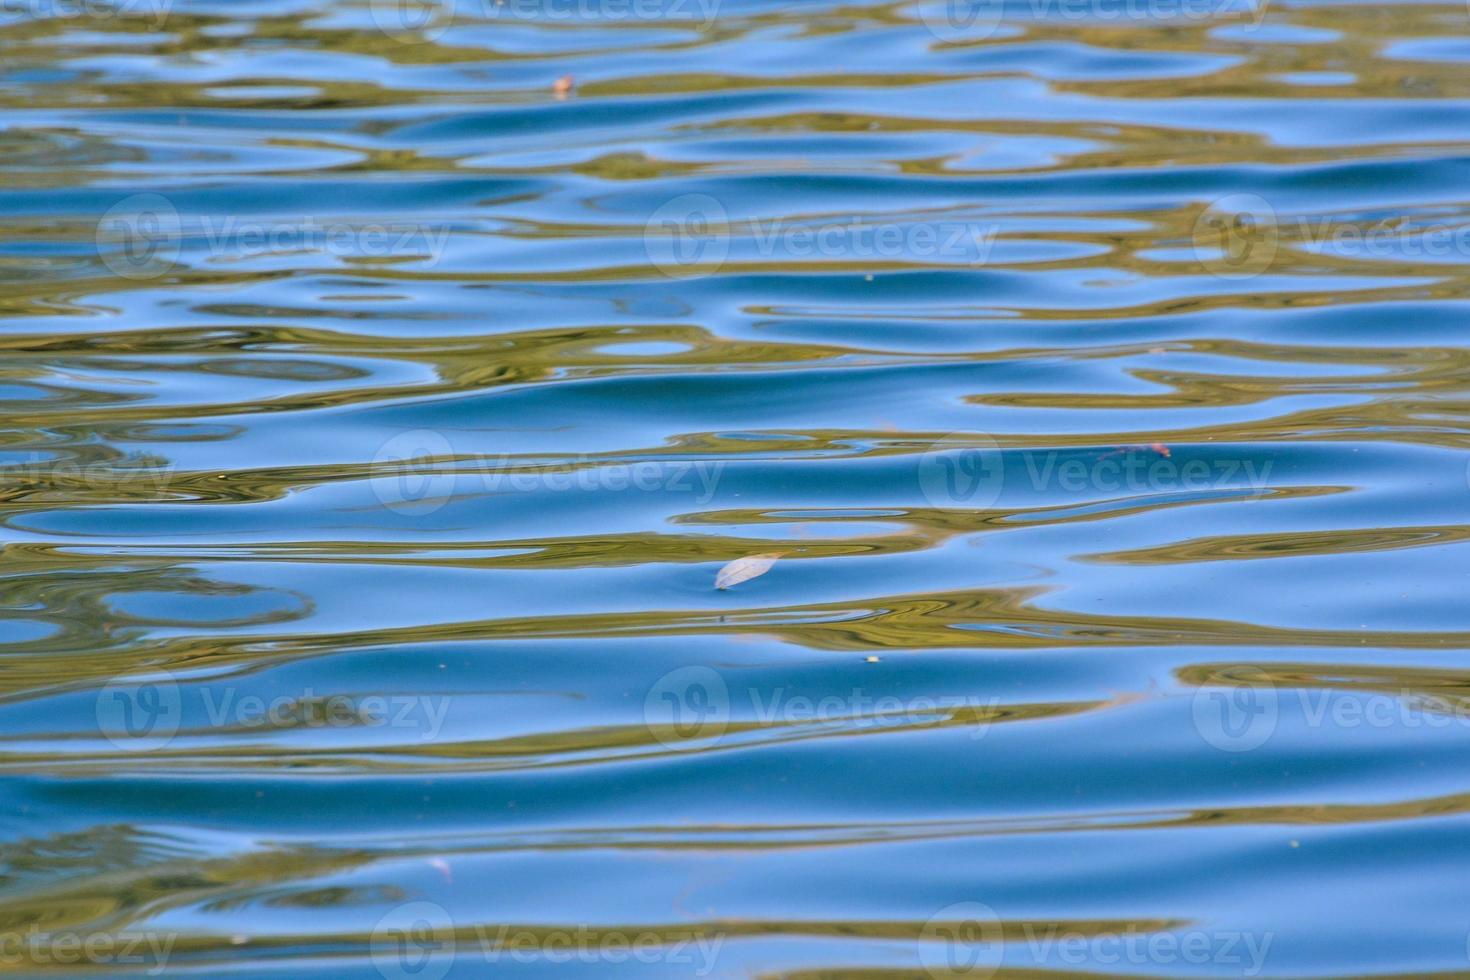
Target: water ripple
x,y
384,386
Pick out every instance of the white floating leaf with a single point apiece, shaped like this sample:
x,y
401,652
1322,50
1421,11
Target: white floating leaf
x,y
745,569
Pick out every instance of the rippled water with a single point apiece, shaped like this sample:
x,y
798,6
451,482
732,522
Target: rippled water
x,y
383,388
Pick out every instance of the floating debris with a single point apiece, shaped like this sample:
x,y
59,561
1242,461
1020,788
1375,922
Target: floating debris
x,y
745,569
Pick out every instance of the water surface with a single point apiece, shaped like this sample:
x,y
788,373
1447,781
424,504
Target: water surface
x,y
382,389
